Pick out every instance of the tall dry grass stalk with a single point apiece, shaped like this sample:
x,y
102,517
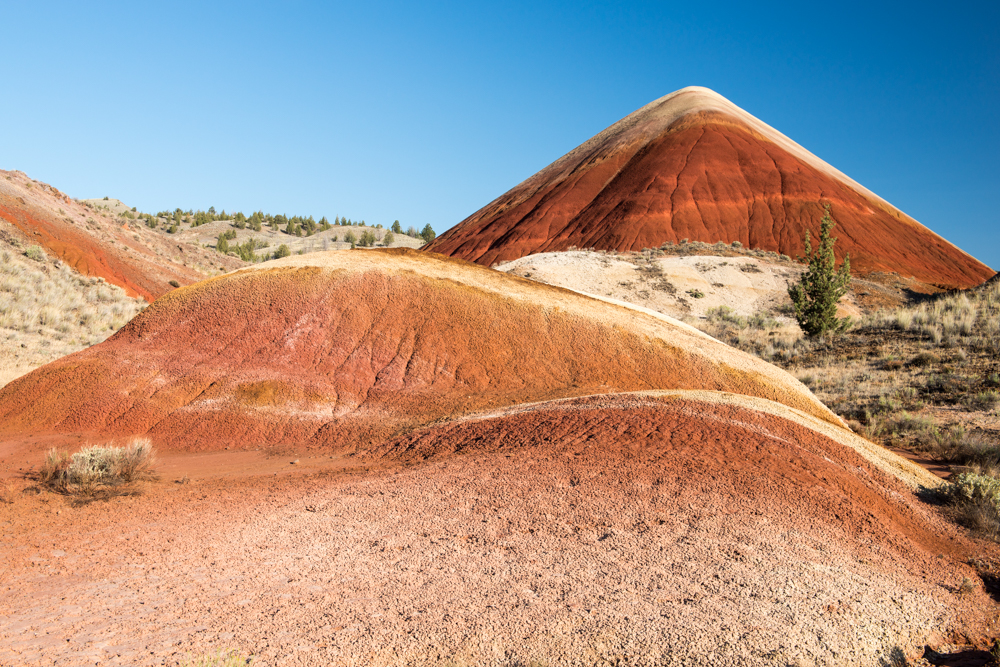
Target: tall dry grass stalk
x,y
968,314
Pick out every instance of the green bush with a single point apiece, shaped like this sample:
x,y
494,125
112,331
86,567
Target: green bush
x,y
35,253
282,251
816,295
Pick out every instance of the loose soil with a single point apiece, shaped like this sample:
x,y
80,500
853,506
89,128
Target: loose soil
x,y
608,530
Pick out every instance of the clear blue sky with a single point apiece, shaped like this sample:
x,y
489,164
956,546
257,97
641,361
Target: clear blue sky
x,y
426,113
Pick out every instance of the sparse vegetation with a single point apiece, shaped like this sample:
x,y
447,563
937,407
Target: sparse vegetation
x,y
976,499
48,310
99,471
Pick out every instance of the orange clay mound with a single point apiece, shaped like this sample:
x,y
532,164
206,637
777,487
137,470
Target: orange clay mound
x,y
123,252
346,348
692,165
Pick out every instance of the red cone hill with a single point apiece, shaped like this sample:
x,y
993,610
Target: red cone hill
x,y
694,166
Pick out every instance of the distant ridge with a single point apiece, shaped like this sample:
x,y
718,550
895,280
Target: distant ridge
x,y
692,165
94,241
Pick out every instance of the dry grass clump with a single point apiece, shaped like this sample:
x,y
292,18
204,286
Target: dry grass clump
x,y
976,500
970,318
920,433
760,334
7,492
99,471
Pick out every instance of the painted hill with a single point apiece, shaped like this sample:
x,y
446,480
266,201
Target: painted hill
x,y
516,448
97,242
340,349
692,165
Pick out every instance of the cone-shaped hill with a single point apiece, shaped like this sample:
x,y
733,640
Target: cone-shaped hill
x,y
344,349
692,165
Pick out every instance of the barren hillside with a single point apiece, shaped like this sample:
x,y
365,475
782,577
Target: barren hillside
x,y
693,166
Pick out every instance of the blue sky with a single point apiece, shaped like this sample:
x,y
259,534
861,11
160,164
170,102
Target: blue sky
x,y
425,113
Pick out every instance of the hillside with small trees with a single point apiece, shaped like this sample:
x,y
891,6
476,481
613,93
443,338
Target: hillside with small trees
x,y
262,236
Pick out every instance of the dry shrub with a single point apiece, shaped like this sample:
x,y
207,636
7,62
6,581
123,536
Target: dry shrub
x,y
924,359
978,453
976,499
97,470
7,492
983,401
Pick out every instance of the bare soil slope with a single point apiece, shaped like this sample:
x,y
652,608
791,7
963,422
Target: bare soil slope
x,y
344,349
610,530
692,165
97,243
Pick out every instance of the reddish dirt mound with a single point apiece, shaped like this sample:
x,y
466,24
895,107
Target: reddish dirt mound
x,y
95,243
776,464
694,166
600,531
369,345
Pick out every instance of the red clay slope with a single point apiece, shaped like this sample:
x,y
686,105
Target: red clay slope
x,y
344,349
678,441
739,478
692,165
121,251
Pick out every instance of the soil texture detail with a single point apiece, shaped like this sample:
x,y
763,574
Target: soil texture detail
x,y
606,530
344,349
694,166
